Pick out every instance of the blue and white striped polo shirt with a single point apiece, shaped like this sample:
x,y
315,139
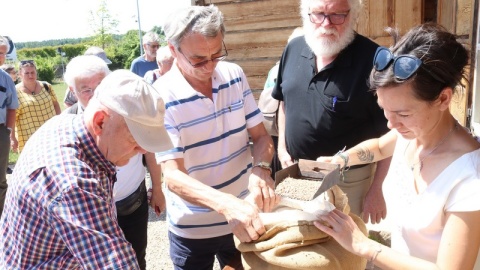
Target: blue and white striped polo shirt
x,y
212,138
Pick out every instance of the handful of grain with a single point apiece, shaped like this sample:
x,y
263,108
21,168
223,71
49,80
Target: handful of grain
x,y
300,189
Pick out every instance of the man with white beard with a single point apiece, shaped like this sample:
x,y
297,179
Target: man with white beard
x,y
325,100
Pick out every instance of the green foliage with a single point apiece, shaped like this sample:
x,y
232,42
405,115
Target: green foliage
x,y
44,52
59,88
74,50
50,43
103,25
46,68
127,50
13,157
123,50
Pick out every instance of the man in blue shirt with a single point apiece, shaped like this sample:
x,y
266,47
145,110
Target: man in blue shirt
x,y
8,105
147,61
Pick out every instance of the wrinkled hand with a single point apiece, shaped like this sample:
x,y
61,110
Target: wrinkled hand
x,y
262,188
284,158
374,207
243,217
157,201
343,229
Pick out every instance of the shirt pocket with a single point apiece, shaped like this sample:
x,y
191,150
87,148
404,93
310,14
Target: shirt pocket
x,y
235,117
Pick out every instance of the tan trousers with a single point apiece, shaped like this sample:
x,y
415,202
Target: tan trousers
x,y
356,185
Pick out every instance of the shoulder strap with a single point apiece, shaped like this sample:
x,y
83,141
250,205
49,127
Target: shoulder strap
x,y
45,84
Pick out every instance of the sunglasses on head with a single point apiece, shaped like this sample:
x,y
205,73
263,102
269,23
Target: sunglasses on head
x,y
24,62
404,66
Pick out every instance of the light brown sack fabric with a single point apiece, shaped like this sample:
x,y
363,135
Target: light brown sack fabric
x,y
300,245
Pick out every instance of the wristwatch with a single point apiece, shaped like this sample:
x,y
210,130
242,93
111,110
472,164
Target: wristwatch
x,y
264,165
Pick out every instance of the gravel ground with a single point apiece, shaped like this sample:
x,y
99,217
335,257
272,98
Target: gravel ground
x,y
158,257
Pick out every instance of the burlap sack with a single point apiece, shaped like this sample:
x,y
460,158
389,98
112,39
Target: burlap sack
x,y
298,244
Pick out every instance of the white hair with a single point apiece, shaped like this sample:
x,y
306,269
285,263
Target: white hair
x,y
84,66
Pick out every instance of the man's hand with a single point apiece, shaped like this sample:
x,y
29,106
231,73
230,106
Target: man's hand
x,y
157,201
244,219
262,188
285,158
14,144
374,207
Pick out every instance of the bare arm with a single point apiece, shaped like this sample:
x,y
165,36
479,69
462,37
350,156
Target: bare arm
x,y
240,214
260,183
57,107
367,151
11,118
458,248
158,198
283,155
374,207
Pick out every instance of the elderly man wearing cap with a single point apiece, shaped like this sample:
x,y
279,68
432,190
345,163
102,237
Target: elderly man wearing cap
x,y
59,210
83,74
70,97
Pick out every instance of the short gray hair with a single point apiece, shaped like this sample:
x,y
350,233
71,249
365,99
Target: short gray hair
x,y
355,7
4,42
84,66
204,20
150,37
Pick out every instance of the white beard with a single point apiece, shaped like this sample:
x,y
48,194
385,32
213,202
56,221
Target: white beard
x,y
327,46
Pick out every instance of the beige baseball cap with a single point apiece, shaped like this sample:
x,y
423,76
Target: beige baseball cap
x,y
140,105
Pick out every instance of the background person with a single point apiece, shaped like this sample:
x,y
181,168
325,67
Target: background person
x,y
147,61
210,113
83,74
433,184
60,212
325,103
8,105
11,70
70,97
37,103
164,62
266,98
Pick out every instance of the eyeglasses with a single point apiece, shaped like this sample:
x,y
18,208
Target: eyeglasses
x,y
404,66
153,46
3,54
24,62
334,18
213,59
87,92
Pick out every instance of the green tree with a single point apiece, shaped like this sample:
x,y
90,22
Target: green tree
x,y
103,25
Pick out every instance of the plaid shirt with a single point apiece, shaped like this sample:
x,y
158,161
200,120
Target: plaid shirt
x,y
59,212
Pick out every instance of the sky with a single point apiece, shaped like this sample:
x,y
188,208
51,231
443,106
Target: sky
x,y
38,20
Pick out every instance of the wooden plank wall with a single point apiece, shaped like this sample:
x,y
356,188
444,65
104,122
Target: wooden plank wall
x,y
257,30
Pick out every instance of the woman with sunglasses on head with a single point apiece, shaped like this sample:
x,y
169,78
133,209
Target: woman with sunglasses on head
x,y
433,184
37,103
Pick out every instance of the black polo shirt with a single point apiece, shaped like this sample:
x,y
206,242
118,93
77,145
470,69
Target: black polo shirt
x,y
334,108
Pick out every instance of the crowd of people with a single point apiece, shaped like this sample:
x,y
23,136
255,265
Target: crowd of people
x,y
78,198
